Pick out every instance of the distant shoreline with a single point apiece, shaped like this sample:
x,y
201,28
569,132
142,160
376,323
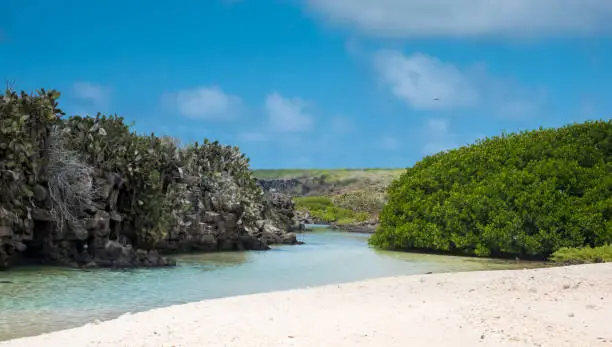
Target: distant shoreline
x,y
349,228
560,306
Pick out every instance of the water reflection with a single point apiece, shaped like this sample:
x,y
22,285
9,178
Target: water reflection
x,y
35,300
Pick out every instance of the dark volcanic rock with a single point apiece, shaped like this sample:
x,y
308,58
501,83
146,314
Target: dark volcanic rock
x,y
105,237
118,255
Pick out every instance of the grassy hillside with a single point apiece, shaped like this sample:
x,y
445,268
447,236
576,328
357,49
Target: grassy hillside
x,y
342,197
376,173
345,179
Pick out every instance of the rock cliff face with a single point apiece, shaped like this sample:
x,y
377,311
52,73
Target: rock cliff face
x,y
299,186
106,238
279,208
211,226
95,240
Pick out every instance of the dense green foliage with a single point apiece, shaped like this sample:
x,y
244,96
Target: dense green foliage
x,y
162,184
601,254
324,210
25,123
528,194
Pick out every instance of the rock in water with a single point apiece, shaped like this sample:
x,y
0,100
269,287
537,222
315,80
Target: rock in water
x,y
289,239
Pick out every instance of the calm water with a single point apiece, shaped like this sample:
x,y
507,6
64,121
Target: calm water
x,y
43,299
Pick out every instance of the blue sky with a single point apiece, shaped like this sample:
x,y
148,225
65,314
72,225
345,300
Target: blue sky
x,y
318,83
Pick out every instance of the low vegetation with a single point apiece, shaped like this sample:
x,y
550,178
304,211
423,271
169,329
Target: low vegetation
x,y
338,196
323,210
529,194
367,201
584,255
334,181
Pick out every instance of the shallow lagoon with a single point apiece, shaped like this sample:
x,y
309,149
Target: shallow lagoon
x,y
34,300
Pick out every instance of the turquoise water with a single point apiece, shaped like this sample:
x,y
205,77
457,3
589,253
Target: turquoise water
x,y
43,299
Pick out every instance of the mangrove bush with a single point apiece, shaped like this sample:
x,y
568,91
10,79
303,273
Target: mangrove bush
x,y
527,194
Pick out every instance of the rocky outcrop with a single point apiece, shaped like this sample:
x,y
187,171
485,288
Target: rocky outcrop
x,y
270,234
214,226
96,240
317,185
279,208
287,186
304,217
104,237
89,191
212,231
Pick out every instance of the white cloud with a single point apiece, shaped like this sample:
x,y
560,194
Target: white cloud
x,y
427,83
438,135
469,18
92,93
209,102
287,115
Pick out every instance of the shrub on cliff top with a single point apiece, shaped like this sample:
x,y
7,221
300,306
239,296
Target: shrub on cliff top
x,y
526,194
163,185
219,176
25,124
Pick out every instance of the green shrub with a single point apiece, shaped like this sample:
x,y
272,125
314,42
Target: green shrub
x,y
323,210
528,194
366,201
565,255
313,202
25,125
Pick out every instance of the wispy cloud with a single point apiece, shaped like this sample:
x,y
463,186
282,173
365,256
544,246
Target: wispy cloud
x,y
427,83
288,114
453,18
206,103
92,93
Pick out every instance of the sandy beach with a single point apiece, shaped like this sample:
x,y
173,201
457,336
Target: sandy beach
x,y
563,306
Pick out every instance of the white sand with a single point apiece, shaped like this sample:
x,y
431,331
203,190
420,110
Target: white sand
x,y
568,306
